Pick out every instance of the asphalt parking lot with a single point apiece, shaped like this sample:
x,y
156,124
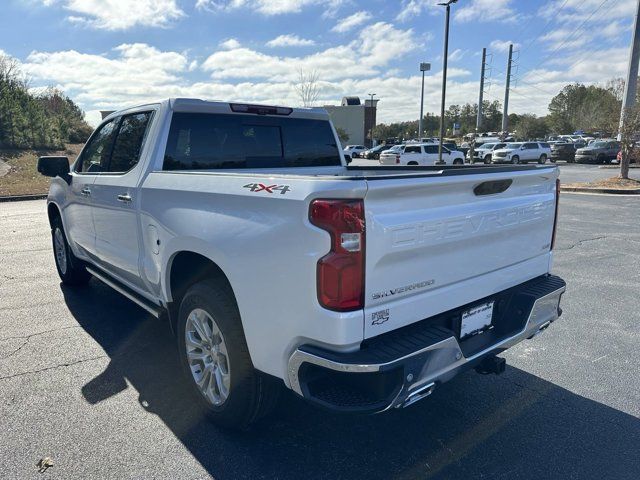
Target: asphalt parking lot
x,y
90,380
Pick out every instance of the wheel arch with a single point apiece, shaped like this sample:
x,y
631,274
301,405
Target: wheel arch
x,y
53,212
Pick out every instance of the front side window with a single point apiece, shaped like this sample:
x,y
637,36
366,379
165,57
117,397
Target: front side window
x,y
431,149
96,154
128,144
223,141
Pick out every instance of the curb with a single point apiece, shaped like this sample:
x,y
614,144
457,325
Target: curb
x,y
601,190
19,198
616,167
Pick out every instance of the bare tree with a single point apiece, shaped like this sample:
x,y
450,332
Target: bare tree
x,y
308,88
629,135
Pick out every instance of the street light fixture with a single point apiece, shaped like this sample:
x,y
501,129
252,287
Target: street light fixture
x,y
447,5
424,67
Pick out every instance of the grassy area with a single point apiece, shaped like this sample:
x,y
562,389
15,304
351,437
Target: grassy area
x,y
23,178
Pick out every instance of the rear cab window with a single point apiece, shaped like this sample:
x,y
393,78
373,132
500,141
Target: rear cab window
x,y
234,141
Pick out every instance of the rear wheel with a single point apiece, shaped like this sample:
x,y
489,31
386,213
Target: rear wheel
x,y
412,163
542,159
71,269
458,162
215,358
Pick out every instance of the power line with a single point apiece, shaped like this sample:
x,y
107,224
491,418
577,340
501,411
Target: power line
x,y
544,29
570,35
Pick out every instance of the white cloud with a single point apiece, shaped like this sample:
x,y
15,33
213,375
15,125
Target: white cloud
x,y
457,55
120,14
230,44
503,45
485,11
352,21
289,40
413,8
266,7
372,50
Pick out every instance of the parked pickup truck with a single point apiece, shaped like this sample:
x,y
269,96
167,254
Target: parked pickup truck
x,y
359,288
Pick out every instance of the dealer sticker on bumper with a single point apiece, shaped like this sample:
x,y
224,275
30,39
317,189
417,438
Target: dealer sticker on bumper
x,y
476,319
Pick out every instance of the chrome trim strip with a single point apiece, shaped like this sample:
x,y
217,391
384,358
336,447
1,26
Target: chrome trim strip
x,y
156,312
299,357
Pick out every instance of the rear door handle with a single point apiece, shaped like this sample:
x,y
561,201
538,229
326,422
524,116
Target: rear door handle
x,y
85,192
124,198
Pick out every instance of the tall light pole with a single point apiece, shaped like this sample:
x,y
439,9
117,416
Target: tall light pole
x,y
371,128
444,74
424,67
630,86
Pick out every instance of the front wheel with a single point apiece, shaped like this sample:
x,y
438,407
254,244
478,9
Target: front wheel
x,y
515,159
71,269
215,358
487,160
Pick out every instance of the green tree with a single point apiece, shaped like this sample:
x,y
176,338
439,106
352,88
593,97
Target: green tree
x,y
530,127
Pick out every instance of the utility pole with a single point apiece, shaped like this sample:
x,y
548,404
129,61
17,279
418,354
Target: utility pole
x,y
447,5
424,67
505,112
630,85
479,119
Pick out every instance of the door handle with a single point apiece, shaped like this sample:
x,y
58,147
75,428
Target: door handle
x,y
124,198
85,192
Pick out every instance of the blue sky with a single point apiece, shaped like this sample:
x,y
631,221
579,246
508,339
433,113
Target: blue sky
x,y
108,54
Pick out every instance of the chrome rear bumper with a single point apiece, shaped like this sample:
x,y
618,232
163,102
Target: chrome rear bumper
x,y
414,375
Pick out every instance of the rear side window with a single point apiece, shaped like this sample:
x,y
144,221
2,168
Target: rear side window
x,y
412,149
221,141
545,145
128,144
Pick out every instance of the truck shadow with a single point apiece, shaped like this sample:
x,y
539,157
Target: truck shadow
x,y
515,425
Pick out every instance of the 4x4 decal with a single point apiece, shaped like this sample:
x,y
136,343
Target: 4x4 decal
x,y
260,187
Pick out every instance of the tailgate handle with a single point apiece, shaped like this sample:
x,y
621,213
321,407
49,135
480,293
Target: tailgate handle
x,y
492,187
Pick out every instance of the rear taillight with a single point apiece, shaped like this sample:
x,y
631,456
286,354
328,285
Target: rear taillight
x,y
340,273
555,215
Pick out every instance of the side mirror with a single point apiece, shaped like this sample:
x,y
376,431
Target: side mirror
x,y
54,167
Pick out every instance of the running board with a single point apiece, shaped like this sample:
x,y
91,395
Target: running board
x,y
105,278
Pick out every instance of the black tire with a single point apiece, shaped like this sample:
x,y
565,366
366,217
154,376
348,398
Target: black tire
x,y
487,159
251,394
412,163
602,159
542,159
71,269
458,162
515,159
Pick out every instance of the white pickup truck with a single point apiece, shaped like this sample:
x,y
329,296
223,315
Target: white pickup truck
x,y
359,288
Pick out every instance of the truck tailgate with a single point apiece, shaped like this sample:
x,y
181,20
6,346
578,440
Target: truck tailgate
x,y
435,243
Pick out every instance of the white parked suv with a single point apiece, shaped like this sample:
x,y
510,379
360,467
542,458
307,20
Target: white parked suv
x,y
423,154
522,152
276,264
483,152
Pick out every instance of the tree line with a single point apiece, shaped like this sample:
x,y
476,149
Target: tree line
x,y
28,119
576,107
